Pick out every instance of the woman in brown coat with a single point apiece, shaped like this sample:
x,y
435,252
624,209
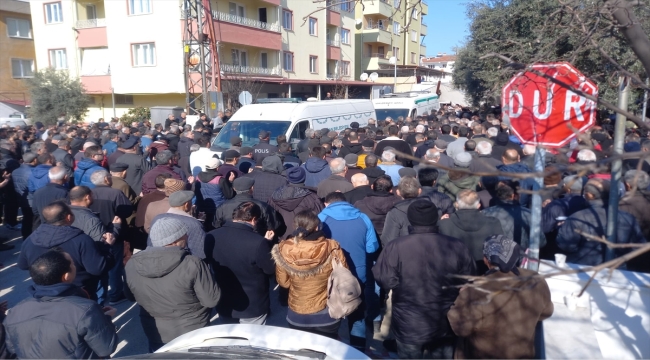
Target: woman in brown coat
x,y
303,265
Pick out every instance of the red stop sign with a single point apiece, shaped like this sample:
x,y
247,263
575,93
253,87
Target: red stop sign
x,y
540,110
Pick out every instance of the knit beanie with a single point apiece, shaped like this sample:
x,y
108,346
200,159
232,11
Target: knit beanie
x,y
166,230
296,175
422,213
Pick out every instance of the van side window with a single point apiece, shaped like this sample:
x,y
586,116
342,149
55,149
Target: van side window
x,y
298,132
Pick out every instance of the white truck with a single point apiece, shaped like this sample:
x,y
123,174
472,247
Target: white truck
x,y
412,103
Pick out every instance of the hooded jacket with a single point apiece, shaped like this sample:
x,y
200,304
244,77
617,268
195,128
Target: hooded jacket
x,y
376,206
90,258
317,171
452,183
472,227
304,266
354,231
350,148
184,146
175,290
268,179
515,221
291,199
397,223
372,173
269,220
85,168
38,178
56,323
416,269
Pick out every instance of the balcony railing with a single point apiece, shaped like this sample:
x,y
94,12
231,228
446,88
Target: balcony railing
x,y
250,70
236,19
90,23
377,26
377,55
333,42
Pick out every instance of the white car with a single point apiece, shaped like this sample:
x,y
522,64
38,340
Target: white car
x,y
242,341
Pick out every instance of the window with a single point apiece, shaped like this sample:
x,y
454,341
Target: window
x,y
345,69
58,59
287,62
237,9
414,35
144,54
345,36
414,13
313,64
345,6
396,3
381,52
313,26
19,28
91,12
123,99
287,19
22,68
138,7
395,28
396,52
53,13
239,57
264,60
413,57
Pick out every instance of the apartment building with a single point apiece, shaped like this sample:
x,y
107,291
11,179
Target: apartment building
x,y
134,48
17,57
443,63
389,28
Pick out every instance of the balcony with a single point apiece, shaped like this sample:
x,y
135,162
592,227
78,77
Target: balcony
x,y
333,18
252,23
423,50
90,23
423,30
376,33
333,53
250,70
425,7
383,7
333,42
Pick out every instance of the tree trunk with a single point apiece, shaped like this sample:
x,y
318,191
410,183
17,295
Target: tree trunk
x,y
631,30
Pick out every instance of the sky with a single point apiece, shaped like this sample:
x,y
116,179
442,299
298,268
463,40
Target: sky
x,y
447,25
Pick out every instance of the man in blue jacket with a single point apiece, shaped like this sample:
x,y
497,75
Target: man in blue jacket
x,y
318,169
39,177
90,259
90,163
77,327
354,231
21,179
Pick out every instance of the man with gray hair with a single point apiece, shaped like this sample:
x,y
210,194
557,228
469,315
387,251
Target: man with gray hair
x,y
54,190
361,188
484,162
336,181
63,158
164,165
396,224
110,203
389,166
469,225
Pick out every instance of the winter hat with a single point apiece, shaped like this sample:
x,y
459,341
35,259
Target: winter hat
x,y
502,252
172,186
351,159
272,164
406,171
180,197
243,183
422,213
502,139
296,175
462,159
166,230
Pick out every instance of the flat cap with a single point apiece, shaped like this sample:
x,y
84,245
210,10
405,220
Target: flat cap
x,y
463,159
234,140
367,143
118,167
246,150
407,171
180,197
130,142
231,154
243,183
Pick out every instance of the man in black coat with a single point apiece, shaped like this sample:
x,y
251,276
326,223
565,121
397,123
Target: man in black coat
x,y
470,225
416,268
268,177
242,267
428,178
378,202
138,164
263,148
243,186
54,190
77,327
396,143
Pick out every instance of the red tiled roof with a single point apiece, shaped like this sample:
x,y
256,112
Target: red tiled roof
x,y
443,58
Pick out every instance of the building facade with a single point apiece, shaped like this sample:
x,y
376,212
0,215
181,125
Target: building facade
x,y
133,50
17,57
443,63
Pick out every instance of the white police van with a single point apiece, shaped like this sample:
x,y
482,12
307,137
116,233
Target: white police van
x,y
412,103
291,117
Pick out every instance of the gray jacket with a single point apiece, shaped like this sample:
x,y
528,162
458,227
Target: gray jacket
x,y
332,184
88,222
175,290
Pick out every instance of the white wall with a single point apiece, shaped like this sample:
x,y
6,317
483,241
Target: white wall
x,y
55,36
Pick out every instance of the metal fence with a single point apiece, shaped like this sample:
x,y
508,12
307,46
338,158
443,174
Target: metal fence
x,y
90,23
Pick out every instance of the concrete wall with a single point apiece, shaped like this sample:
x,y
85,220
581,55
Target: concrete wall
x,y
13,48
103,107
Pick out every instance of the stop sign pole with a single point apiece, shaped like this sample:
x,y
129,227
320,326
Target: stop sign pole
x,y
545,110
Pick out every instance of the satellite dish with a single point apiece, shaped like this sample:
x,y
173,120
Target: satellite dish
x,y
392,60
363,77
373,76
387,89
245,98
359,21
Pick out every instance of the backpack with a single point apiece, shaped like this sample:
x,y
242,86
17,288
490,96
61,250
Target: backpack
x,y
343,291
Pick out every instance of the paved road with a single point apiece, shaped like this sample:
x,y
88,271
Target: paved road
x,y
14,284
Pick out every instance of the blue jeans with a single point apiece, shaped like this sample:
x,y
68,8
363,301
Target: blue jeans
x,y
365,314
111,285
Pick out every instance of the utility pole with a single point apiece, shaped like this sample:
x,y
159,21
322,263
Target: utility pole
x,y
617,165
536,213
645,99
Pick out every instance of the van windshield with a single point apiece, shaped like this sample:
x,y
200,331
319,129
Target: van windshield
x,y
382,114
249,132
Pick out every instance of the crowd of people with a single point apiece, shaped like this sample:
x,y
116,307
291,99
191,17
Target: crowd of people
x,y
151,214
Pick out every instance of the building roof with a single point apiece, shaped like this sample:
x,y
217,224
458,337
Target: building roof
x,y
437,59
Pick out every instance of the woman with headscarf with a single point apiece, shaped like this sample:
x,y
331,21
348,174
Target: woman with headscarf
x,y
502,326
303,265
